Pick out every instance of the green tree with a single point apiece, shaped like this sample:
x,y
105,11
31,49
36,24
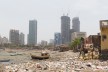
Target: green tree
x,y
75,44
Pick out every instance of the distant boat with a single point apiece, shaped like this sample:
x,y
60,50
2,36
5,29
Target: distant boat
x,y
4,60
42,56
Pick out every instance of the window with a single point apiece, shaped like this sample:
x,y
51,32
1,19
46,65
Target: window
x,y
104,37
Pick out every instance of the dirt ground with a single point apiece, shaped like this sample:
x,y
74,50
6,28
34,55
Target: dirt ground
x,y
67,61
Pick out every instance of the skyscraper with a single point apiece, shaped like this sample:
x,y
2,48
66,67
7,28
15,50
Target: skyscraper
x,y
76,24
14,36
21,39
65,29
32,37
57,39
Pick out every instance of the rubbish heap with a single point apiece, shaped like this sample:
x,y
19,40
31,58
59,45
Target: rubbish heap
x,y
58,66
59,62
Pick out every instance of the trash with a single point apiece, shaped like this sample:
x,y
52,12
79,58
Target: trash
x,y
88,65
59,62
15,54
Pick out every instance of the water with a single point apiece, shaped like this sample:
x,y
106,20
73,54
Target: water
x,y
5,63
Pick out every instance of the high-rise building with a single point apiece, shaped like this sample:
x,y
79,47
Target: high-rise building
x,y
5,40
65,29
57,39
32,37
21,39
27,39
14,36
76,24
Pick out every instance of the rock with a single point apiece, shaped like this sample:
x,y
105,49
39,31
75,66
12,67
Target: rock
x,y
39,66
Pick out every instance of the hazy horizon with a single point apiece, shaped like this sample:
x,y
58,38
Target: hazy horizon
x,y
15,14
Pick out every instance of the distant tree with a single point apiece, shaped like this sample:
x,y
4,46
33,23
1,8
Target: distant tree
x,y
74,45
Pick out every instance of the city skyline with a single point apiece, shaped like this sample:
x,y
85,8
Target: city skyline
x,y
15,14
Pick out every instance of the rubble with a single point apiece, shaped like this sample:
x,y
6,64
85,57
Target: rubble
x,y
59,62
75,66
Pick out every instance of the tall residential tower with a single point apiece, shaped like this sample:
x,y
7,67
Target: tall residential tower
x,y
21,38
65,29
57,39
14,36
76,24
32,36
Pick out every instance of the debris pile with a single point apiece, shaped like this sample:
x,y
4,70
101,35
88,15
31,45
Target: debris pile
x,y
59,66
67,61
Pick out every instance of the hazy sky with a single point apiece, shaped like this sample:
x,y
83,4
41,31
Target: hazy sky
x,y
15,14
